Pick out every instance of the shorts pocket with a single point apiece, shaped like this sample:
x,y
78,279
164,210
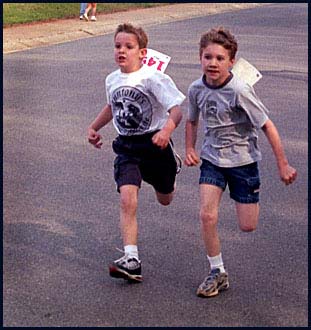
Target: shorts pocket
x,y
253,185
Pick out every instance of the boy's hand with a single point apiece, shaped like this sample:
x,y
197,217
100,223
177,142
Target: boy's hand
x,y
161,139
192,158
94,138
288,174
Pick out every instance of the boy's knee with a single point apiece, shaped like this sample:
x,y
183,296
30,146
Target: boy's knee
x,y
208,217
128,202
165,203
248,216
164,199
248,227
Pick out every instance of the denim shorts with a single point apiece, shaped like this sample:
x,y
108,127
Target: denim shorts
x,y
243,181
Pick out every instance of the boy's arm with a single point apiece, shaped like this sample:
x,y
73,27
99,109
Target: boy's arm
x,y
288,174
192,157
103,118
162,138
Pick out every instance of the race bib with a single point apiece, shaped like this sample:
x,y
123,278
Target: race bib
x,y
155,60
246,71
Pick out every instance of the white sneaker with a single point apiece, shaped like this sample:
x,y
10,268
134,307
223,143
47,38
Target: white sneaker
x,y
81,17
93,18
85,17
128,268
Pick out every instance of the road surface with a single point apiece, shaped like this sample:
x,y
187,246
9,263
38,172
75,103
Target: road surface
x,y
61,208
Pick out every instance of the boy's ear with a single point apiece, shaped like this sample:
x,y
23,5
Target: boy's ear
x,y
232,62
143,52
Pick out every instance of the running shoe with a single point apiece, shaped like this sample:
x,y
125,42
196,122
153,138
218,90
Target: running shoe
x,y
127,267
213,284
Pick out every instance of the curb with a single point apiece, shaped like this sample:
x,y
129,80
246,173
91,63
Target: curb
x,y
28,36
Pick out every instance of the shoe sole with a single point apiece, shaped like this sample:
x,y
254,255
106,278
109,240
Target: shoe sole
x,y
120,273
203,294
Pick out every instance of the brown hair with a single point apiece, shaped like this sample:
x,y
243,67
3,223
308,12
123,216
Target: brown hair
x,y
220,36
140,34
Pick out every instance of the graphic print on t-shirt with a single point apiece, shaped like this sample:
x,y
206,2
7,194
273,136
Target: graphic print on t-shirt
x,y
132,110
210,113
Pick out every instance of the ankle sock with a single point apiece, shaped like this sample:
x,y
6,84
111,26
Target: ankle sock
x,y
216,262
131,250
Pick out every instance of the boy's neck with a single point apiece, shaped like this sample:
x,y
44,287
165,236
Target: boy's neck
x,y
224,83
128,72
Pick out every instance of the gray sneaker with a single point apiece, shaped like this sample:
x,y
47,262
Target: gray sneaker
x,y
128,268
213,283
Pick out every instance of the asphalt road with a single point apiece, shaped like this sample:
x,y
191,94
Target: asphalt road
x,y
61,208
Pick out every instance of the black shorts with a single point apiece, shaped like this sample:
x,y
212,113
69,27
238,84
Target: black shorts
x,y
139,159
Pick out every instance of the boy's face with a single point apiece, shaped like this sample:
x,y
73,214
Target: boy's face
x,y
127,53
216,62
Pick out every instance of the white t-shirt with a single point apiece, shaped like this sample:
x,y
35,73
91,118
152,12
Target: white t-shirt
x,y
140,100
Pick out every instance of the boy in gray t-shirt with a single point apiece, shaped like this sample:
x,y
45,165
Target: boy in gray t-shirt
x,y
232,114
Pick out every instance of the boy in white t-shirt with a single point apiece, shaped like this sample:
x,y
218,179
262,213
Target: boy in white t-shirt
x,y
145,109
232,115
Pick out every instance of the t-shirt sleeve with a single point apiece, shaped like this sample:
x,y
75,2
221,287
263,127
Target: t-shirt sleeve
x,y
166,92
193,110
107,90
255,109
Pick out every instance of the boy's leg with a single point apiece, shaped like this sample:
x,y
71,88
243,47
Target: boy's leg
x,y
248,215
160,170
210,197
217,279
128,180
128,267
128,219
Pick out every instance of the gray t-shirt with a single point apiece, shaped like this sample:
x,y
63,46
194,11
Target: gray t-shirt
x,y
232,114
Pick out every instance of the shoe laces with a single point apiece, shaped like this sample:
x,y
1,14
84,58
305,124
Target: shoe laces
x,y
212,275
128,261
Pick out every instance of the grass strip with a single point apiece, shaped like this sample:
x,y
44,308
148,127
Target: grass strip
x,y
20,13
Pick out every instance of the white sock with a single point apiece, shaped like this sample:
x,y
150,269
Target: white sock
x,y
216,262
131,250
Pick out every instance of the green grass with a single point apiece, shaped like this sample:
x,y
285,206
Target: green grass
x,y
19,13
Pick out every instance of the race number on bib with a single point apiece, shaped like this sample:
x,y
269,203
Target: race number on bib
x,y
155,60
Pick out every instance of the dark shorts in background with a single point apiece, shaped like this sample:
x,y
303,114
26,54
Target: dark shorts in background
x,y
139,159
243,181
